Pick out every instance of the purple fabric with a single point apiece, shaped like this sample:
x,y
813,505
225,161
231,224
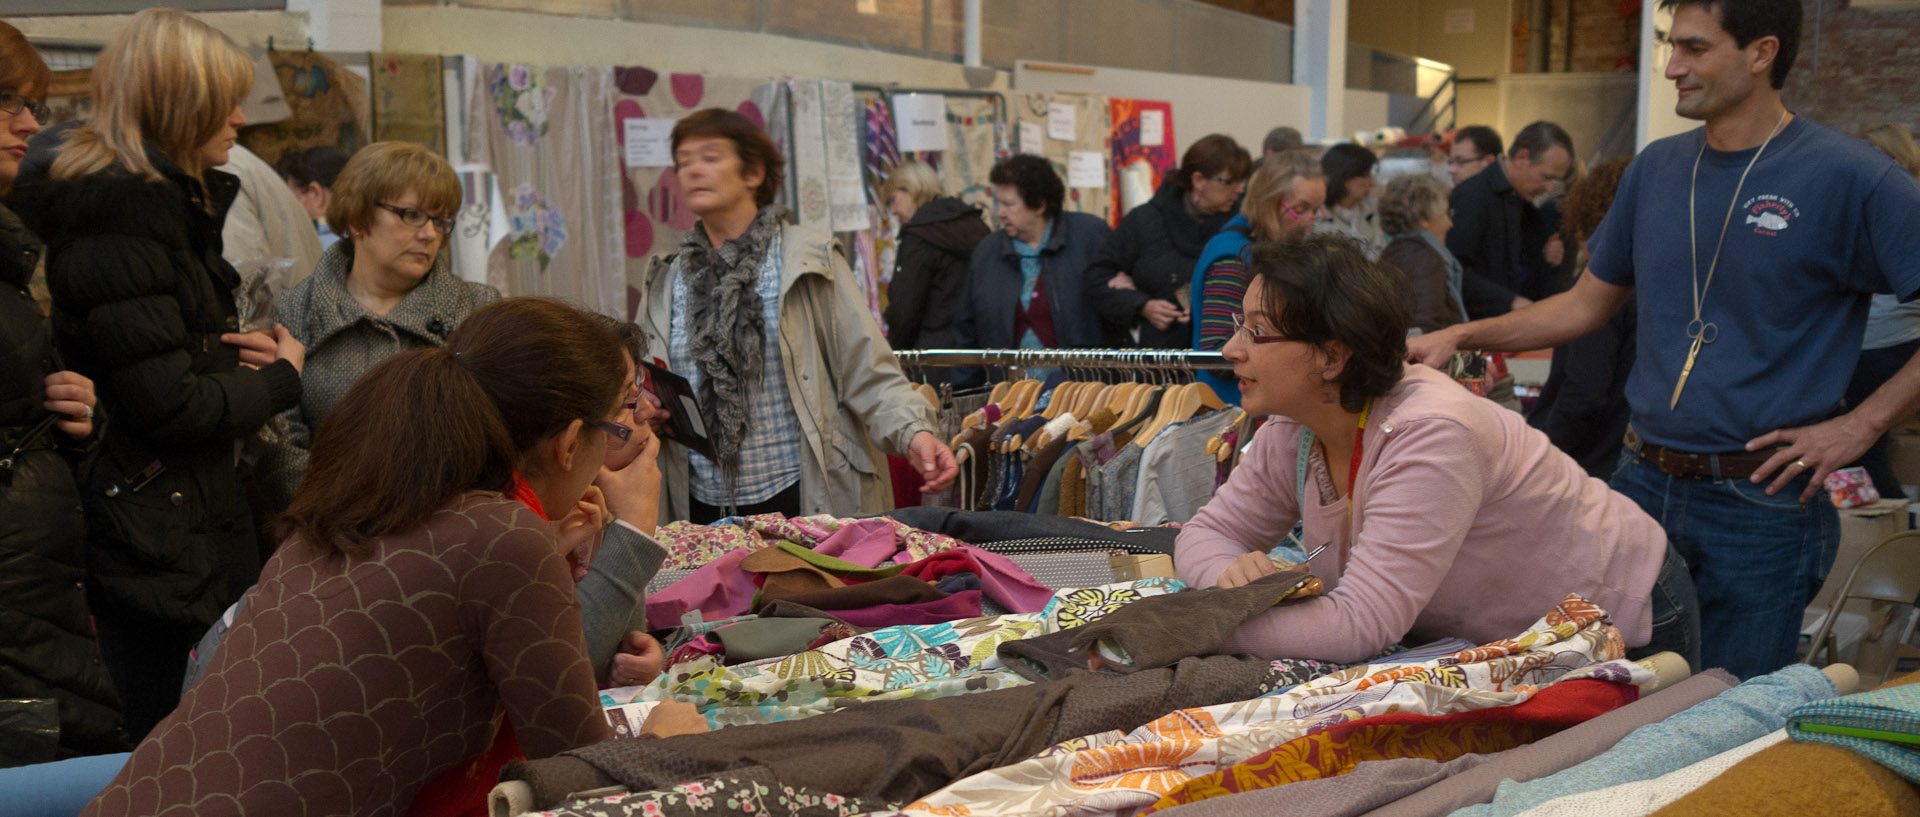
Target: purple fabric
x,y
1008,585
964,604
718,589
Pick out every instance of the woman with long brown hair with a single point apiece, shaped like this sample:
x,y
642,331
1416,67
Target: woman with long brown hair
x,y
131,209
422,590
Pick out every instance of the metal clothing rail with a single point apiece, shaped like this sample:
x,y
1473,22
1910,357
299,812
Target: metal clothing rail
x,y
1154,359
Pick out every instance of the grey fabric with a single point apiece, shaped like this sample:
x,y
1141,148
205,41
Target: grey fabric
x,y
901,750
1559,751
725,321
343,341
1370,784
1153,632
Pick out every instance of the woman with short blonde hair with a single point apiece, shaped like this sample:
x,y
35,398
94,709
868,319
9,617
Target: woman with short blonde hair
x,y
131,207
385,287
937,235
1284,198
917,182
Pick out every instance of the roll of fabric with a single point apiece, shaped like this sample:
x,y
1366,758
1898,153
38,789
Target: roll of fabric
x,y
1644,797
1561,751
1727,720
1794,779
1882,725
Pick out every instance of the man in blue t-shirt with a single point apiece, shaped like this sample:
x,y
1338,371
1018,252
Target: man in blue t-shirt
x,y
1751,247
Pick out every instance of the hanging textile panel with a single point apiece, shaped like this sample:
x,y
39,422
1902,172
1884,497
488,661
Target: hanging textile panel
x,y
548,135
976,125
1092,126
330,106
1142,137
409,99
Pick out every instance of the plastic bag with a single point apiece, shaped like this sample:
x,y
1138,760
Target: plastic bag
x,y
261,282
1851,487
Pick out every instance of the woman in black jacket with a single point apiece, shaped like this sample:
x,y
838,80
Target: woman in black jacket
x,y
57,699
143,304
937,237
1141,280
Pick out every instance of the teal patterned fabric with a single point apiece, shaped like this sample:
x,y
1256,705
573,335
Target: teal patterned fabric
x,y
1893,711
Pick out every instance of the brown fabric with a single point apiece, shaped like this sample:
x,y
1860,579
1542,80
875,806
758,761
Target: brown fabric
x,y
1157,631
1430,304
330,106
1073,487
344,684
1794,779
890,590
901,750
1036,474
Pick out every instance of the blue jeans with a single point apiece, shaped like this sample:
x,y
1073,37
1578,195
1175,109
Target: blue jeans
x,y
1756,560
1675,612
58,789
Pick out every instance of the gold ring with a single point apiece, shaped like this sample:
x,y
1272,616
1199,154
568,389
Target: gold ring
x,y
1802,463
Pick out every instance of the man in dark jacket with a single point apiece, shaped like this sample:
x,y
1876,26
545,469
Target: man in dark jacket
x,y
1026,286
930,273
1141,279
1498,234
143,305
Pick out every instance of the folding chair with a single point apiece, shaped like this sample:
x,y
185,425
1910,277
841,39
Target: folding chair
x,y
1889,571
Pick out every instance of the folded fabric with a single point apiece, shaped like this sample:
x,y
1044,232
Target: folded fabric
x,y
769,637
890,590
787,570
1882,724
718,589
1157,632
962,605
1476,784
1706,729
987,527
900,750
1794,779
957,582
1336,750
1644,797
691,546
751,790
1370,784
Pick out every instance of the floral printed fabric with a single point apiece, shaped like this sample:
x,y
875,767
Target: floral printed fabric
x,y
409,101
691,546
1113,773
891,663
752,792
330,106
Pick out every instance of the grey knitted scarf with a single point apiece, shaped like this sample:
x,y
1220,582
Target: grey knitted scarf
x,y
726,328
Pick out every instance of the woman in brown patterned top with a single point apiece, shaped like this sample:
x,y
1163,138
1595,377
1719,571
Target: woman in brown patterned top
x,y
421,595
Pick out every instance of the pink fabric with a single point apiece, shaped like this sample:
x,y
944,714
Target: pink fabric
x,y
964,604
867,543
1469,524
718,589
1007,584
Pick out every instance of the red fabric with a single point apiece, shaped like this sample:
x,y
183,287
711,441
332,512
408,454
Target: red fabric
x,y
906,482
1037,315
941,565
462,790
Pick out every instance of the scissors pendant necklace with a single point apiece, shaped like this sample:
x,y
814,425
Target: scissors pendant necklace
x,y
1704,332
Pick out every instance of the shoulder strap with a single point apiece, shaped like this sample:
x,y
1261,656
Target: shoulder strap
x,y
1293,548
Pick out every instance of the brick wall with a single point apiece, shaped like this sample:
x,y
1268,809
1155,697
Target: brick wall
x,y
1602,41
1857,67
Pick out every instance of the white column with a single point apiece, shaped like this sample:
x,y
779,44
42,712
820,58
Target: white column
x,y
1657,95
340,25
1320,63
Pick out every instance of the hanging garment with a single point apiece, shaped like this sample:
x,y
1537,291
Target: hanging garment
x,y
329,104
1135,147
1092,122
1176,474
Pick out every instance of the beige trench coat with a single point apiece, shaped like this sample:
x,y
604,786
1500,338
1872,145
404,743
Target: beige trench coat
x,y
853,401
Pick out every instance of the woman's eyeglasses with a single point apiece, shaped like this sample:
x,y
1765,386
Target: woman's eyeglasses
x,y
1240,327
417,218
12,104
1302,213
617,434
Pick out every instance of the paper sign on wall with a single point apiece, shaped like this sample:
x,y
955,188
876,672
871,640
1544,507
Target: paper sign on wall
x,y
922,121
649,142
1060,121
1153,128
1087,169
1458,21
1033,139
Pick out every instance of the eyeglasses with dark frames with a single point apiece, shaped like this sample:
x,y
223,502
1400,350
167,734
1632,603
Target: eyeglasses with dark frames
x,y
418,218
1240,327
617,434
12,104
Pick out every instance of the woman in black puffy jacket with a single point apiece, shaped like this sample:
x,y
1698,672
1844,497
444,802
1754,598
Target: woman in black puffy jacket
x,y
937,236
55,699
131,210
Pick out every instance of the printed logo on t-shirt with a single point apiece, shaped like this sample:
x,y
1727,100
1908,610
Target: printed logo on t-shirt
x,y
1770,214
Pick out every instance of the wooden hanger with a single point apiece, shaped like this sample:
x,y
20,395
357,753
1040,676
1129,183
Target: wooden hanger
x,y
1181,403
927,391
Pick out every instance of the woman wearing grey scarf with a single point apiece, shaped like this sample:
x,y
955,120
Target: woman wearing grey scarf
x,y
1414,213
798,392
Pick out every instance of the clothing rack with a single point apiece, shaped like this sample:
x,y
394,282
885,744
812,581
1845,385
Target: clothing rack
x,y
1154,359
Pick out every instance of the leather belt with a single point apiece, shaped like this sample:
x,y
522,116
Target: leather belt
x,y
1676,463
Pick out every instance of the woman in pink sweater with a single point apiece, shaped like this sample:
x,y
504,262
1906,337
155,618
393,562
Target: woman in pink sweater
x,y
1442,513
